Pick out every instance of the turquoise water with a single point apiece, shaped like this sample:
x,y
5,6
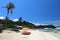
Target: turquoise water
x,y
56,30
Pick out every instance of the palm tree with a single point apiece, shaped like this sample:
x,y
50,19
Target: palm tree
x,y
9,8
20,19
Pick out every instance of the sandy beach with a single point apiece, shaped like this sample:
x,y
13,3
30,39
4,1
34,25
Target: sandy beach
x,y
35,35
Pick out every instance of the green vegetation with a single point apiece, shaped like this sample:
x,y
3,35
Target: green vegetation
x,y
23,23
45,26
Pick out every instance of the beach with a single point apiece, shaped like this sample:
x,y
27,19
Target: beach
x,y
35,35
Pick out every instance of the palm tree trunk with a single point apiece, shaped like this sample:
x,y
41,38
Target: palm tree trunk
x,y
7,20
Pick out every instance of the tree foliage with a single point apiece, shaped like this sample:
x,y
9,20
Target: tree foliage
x,y
10,24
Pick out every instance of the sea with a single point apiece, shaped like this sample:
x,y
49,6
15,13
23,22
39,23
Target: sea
x,y
55,31
50,30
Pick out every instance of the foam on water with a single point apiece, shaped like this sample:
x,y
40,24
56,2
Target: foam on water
x,y
56,30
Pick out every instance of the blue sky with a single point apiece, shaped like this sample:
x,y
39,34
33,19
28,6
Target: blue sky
x,y
35,11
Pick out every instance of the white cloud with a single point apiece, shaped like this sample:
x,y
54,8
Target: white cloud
x,y
36,24
43,24
39,24
54,22
15,20
2,17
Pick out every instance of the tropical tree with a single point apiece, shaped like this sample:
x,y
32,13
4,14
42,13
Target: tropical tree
x,y
20,19
9,8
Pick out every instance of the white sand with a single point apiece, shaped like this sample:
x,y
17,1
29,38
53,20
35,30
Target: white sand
x,y
35,35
